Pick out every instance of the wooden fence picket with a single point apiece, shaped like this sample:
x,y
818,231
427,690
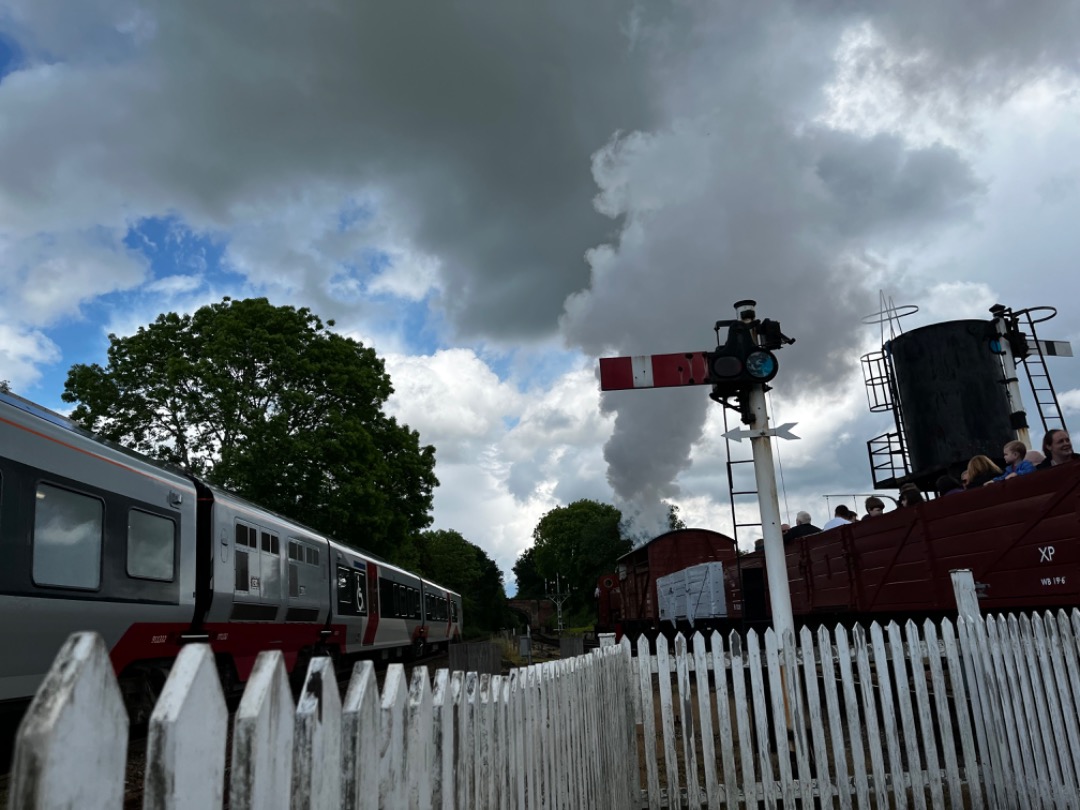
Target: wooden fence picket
x,y
851,707
392,737
687,726
316,780
888,714
975,775
869,708
723,719
263,738
815,719
442,773
1015,730
832,711
781,717
793,697
420,763
744,714
465,773
71,745
667,721
1033,713
900,677
918,654
359,733
761,719
185,740
941,706
648,720
704,704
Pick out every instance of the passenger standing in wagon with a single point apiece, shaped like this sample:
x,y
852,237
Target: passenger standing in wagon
x,y
1057,448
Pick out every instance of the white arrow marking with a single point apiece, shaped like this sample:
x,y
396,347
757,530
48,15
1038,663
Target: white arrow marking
x,y
781,431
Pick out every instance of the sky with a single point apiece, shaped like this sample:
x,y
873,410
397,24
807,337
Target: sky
x,y
494,195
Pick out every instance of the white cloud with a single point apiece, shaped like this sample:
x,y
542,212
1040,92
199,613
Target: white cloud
x,y
22,353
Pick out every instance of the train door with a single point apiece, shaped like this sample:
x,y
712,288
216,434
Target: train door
x,y
257,569
753,587
269,566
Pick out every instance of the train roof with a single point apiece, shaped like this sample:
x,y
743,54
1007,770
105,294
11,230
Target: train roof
x,y
668,534
70,425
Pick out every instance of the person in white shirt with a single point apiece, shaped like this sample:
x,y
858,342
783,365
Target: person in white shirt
x,y
841,517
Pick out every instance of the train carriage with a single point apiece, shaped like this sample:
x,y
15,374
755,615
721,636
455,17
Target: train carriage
x,y
95,537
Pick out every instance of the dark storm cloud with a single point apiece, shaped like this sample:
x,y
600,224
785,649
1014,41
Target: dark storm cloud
x,y
476,121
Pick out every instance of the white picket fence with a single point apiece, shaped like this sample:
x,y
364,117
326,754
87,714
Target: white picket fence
x,y
558,734
980,713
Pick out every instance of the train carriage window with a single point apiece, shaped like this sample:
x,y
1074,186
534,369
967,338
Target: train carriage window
x,y
241,571
68,530
151,546
294,550
275,548
266,541
453,611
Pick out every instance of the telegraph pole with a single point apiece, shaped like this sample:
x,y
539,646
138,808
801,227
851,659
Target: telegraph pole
x,y
558,598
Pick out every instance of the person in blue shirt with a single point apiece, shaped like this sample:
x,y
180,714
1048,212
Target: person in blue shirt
x,y
1015,463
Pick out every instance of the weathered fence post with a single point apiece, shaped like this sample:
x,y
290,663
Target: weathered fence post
x,y
392,738
317,749
967,600
71,746
442,789
359,731
263,738
185,744
420,763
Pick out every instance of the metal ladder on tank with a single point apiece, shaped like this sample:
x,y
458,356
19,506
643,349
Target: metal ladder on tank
x,y
1042,387
888,452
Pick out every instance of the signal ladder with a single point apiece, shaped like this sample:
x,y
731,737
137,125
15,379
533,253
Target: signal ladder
x,y
731,465
1042,388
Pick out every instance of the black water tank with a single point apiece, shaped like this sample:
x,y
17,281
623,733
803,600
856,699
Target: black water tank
x,y
951,392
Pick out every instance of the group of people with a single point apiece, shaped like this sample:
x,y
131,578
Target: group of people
x,y
981,471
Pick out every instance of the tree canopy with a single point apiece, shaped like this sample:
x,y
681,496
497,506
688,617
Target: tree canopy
x,y
530,584
578,543
266,401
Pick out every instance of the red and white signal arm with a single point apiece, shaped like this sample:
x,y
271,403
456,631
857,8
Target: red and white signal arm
x,y
654,371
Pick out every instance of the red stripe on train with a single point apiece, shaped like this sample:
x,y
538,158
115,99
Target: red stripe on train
x,y
373,604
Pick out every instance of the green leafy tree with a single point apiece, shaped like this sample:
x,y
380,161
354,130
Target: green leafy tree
x,y
579,542
267,402
530,585
673,519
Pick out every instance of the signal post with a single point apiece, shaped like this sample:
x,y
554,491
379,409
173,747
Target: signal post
x,y
738,372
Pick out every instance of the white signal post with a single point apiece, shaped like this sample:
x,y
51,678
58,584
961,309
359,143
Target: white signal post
x,y
769,504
